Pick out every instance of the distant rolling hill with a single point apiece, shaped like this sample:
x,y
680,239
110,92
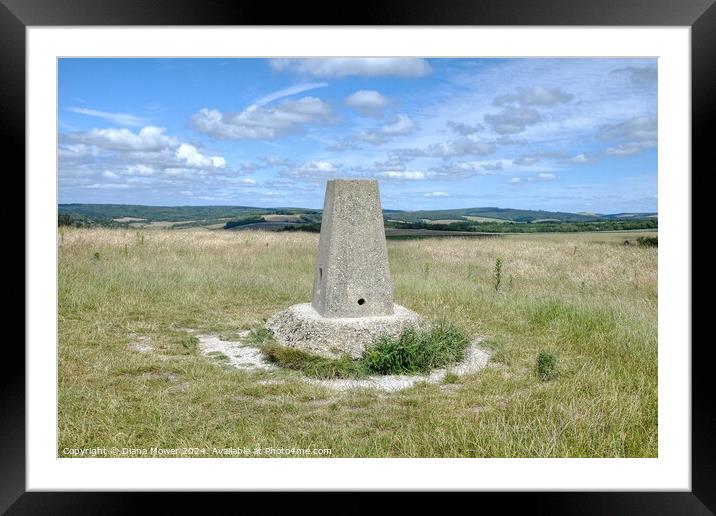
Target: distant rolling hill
x,y
488,219
190,213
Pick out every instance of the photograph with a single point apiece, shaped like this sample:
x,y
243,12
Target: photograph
x,y
357,257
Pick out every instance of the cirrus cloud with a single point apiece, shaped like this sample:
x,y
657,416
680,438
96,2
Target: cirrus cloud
x,y
117,118
257,122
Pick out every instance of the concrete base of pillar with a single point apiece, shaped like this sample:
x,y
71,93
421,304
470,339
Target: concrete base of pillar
x,y
302,327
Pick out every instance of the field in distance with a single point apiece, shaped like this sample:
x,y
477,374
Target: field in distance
x,y
398,223
131,376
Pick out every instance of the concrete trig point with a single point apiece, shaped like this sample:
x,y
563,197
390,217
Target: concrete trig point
x,y
352,276
352,302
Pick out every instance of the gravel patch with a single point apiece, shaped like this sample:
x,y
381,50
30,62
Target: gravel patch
x,y
240,355
248,357
142,344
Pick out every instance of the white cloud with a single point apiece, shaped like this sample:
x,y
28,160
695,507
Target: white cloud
x,y
464,129
117,118
641,129
582,159
497,165
466,169
526,160
640,76
257,122
354,66
405,174
367,101
149,138
117,158
530,159
292,90
274,161
140,170
636,134
465,146
624,149
400,126
534,96
543,176
312,171
512,120
194,158
318,166
436,194
78,150
107,186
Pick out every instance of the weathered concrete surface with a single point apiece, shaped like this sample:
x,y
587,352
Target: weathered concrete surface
x,y
301,326
352,277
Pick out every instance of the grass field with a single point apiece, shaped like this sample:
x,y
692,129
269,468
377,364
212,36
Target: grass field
x,y
585,297
484,219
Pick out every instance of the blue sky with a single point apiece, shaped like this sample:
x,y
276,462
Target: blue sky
x,y
555,134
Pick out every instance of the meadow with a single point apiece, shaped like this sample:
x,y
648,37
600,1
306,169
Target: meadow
x,y
586,298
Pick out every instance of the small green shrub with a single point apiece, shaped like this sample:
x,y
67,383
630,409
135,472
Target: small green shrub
x,y
259,336
189,343
497,273
416,351
648,241
546,365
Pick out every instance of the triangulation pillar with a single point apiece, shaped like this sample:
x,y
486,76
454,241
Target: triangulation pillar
x,y
352,276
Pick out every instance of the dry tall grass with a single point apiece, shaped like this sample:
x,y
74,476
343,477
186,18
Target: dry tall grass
x,y
588,299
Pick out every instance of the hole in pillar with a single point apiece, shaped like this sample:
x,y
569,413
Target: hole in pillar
x,y
320,273
361,301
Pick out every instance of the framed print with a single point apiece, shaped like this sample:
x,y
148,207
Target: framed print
x,y
421,257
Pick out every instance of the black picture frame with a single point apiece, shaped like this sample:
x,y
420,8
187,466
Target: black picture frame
x,y
700,15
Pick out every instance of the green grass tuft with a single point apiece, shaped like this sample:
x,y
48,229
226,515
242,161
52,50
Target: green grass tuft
x,y
417,351
450,378
313,365
414,352
648,241
546,365
189,343
219,356
259,336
